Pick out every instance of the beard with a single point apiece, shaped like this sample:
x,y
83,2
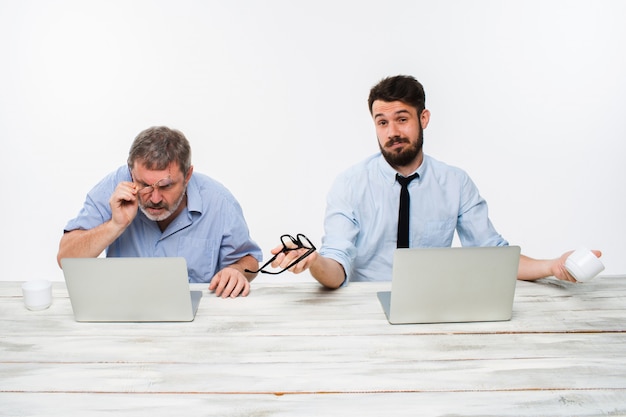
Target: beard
x,y
169,210
406,155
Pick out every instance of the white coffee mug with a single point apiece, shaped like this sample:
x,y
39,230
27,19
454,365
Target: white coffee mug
x,y
37,294
583,265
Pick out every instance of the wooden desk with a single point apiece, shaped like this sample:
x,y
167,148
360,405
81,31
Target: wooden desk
x,y
299,350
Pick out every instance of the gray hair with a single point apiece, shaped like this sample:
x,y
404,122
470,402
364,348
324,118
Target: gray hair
x,y
158,146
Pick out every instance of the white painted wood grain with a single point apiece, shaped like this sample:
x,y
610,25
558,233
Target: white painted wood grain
x,y
301,350
498,404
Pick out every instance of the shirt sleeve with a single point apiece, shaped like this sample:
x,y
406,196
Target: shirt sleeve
x,y
236,241
474,227
341,227
96,209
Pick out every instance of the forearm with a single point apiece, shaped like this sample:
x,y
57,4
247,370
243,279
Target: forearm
x,y
87,243
531,269
328,272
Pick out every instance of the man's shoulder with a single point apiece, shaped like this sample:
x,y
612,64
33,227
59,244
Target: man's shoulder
x,y
203,179
441,168
108,183
209,187
358,178
446,175
365,165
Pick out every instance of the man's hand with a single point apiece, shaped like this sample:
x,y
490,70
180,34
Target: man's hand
x,y
91,243
284,259
230,282
558,267
124,203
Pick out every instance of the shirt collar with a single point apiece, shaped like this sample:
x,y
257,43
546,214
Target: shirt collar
x,y
194,199
389,173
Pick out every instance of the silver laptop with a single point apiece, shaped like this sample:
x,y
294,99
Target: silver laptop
x,y
442,285
130,289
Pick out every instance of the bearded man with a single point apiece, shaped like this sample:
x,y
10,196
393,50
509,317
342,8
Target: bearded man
x,y
362,224
156,206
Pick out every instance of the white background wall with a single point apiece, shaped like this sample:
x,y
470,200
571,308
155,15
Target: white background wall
x,y
527,96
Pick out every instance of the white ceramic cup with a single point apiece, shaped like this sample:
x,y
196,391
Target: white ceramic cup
x,y
583,265
37,294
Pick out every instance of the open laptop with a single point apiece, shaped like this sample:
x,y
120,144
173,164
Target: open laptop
x,y
442,285
130,289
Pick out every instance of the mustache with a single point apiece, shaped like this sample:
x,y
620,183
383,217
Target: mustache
x,y
154,206
396,139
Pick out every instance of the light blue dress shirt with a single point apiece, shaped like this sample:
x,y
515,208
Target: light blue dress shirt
x,y
210,233
361,221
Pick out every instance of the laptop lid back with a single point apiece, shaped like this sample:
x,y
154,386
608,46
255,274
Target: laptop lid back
x,y
436,285
130,289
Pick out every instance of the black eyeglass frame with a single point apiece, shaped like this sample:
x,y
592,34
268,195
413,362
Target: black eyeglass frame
x,y
298,243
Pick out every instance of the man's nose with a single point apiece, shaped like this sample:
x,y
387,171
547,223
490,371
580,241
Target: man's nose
x,y
392,130
156,195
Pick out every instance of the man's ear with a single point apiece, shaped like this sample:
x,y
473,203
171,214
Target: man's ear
x,y
188,176
425,118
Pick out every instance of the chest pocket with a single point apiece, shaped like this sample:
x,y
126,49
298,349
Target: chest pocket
x,y
435,233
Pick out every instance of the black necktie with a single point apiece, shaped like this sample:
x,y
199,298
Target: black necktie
x,y
403,214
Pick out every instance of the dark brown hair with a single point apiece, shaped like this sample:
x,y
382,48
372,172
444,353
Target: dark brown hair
x,y
402,88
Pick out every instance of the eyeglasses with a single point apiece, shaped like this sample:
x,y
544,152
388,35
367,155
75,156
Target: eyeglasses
x,y
289,244
163,183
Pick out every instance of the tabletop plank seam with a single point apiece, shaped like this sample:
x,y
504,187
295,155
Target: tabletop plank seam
x,y
332,392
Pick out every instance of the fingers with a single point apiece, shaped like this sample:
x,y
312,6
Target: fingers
x,y
229,283
283,260
566,276
280,260
124,203
559,270
276,250
563,274
304,264
125,191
